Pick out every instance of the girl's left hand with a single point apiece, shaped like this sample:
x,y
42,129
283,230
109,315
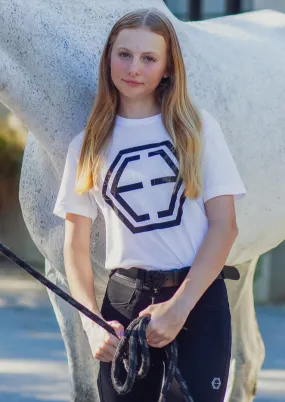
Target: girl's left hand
x,y
166,322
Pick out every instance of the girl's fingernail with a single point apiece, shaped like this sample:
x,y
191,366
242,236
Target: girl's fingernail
x,y
122,333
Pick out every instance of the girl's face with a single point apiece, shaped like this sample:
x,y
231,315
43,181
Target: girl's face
x,y
138,55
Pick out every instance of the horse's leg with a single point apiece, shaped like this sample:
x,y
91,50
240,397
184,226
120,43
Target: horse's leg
x,y
83,368
248,350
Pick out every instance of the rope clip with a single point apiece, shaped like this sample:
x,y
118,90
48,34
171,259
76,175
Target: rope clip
x,y
154,280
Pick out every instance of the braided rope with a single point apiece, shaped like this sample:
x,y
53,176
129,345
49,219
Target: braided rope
x,y
134,345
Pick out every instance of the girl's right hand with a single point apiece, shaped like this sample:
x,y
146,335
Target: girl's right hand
x,y
103,344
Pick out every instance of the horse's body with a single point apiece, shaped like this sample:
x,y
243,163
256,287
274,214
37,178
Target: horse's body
x,y
49,53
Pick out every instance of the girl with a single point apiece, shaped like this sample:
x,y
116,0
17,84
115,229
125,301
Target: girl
x,y
161,173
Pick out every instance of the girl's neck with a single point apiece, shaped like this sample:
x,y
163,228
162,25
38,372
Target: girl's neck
x,y
136,111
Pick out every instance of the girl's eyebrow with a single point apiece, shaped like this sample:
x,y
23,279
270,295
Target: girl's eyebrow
x,y
149,52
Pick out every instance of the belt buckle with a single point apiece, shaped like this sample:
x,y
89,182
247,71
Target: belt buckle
x,y
155,279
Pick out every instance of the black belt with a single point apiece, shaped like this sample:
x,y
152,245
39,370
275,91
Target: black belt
x,y
157,279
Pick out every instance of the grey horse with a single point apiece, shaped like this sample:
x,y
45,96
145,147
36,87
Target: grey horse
x,y
49,59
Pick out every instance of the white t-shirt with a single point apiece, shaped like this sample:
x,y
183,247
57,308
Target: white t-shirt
x,y
149,224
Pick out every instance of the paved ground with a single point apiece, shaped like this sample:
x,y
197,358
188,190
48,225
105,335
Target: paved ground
x,y
33,364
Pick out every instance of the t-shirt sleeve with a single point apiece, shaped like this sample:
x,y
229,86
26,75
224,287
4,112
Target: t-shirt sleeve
x,y
69,201
220,174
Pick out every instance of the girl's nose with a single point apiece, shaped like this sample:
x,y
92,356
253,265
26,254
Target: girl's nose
x,y
134,66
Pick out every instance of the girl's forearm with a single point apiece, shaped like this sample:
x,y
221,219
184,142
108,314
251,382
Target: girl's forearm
x,y
207,265
80,277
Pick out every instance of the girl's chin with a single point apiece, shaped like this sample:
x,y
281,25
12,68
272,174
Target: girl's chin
x,y
130,93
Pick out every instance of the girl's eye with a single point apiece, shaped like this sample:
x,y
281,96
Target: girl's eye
x,y
150,58
147,57
123,53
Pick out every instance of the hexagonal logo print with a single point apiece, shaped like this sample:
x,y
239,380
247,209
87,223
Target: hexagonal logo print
x,y
216,383
140,186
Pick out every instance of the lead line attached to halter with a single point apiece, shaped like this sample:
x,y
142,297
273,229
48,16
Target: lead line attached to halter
x,y
135,335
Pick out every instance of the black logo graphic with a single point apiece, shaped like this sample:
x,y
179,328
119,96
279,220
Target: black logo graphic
x,y
127,200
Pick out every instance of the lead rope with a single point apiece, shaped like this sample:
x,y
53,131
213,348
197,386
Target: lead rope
x,y
132,345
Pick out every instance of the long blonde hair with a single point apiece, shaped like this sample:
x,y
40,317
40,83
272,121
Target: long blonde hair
x,y
180,117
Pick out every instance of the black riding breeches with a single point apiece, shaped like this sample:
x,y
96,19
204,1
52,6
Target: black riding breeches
x,y
204,345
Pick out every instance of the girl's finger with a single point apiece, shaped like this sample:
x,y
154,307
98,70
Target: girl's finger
x,y
109,348
159,344
150,331
154,339
116,324
118,327
155,334
102,358
106,354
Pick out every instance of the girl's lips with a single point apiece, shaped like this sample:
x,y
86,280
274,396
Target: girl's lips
x,y
132,83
